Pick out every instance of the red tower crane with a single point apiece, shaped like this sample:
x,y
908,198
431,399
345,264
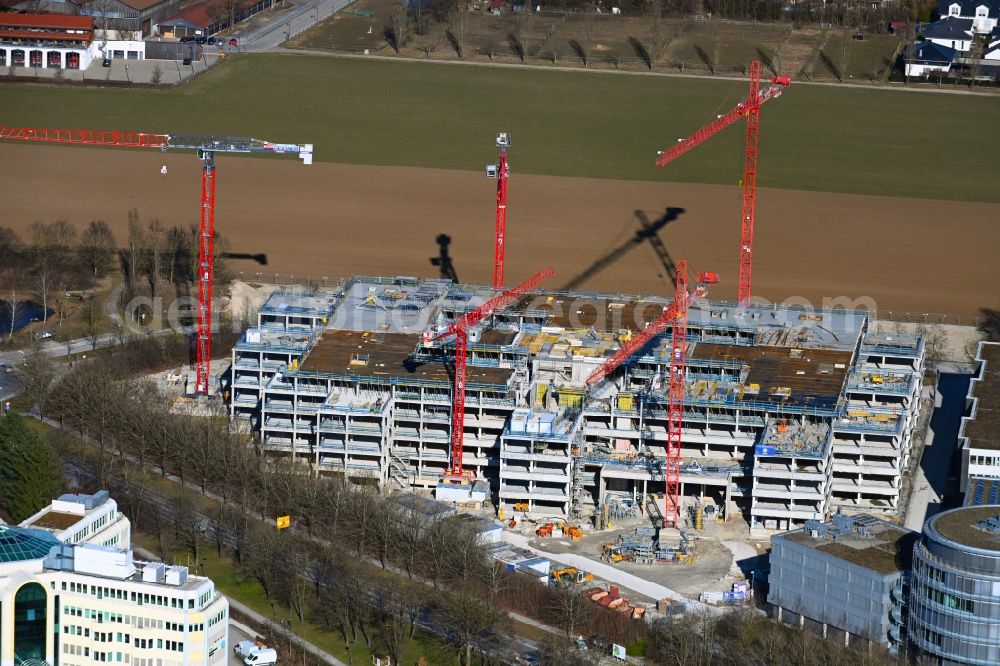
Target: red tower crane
x,y
674,315
460,329
749,108
500,171
206,147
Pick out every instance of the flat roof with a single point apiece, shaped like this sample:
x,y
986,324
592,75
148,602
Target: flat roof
x,y
983,431
56,520
600,312
384,356
862,540
960,525
785,375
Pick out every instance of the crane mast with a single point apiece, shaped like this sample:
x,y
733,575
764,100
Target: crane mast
x,y
500,171
206,147
460,329
749,108
675,400
676,316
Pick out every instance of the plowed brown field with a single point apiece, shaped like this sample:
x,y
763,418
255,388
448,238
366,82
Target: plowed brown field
x,y
915,256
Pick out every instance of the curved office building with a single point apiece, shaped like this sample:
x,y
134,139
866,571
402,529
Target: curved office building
x,y
955,588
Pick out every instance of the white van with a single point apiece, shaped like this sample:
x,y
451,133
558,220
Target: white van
x,y
261,657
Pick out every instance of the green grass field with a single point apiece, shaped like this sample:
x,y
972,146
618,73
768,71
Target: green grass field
x,y
817,138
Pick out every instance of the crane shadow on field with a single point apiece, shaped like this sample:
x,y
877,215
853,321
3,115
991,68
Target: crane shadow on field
x,y
259,258
443,260
648,232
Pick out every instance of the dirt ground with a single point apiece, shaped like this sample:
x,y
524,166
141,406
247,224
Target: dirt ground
x,y
336,220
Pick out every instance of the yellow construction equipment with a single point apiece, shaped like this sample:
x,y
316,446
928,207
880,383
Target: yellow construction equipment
x,y
570,575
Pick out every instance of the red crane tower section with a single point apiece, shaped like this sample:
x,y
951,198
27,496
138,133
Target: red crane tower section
x,y
675,400
675,316
206,147
460,329
750,108
502,170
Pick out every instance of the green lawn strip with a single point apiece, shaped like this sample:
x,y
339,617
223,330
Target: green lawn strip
x,y
368,111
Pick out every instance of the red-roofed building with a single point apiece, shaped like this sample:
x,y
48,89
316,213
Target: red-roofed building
x,y
198,20
192,21
46,40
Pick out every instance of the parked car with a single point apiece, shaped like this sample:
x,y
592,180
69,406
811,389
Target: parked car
x,y
106,62
233,41
6,367
262,657
211,41
186,40
187,61
201,39
45,334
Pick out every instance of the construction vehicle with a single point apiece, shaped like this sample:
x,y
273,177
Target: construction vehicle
x,y
205,147
545,530
613,553
569,576
573,532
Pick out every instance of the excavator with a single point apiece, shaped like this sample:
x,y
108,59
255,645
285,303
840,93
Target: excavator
x,y
569,576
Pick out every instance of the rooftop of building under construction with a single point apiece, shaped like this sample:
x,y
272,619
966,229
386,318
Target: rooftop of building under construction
x,y
385,356
777,356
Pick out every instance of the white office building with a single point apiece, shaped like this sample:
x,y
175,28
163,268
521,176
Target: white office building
x,y
68,600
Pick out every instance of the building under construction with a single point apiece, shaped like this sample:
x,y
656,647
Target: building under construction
x,y
789,414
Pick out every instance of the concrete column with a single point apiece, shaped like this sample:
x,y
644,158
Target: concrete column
x,y
824,629
802,621
847,638
780,612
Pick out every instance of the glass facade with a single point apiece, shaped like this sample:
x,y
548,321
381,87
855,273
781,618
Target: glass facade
x,y
954,610
29,622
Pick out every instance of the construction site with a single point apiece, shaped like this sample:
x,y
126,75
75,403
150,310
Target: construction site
x,y
590,407
632,425
788,416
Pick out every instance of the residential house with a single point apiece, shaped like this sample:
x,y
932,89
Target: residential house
x,y
923,58
983,13
955,33
992,50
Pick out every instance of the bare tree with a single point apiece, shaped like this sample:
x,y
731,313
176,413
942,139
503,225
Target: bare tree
x,y
135,246
13,310
569,609
97,244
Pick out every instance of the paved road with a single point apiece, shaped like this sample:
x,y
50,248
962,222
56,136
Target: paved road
x,y
287,25
936,483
